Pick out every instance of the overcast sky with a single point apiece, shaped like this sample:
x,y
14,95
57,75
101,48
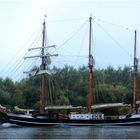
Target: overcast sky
x,y
113,35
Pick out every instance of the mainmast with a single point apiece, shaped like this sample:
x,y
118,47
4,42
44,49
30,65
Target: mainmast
x,y
90,66
135,75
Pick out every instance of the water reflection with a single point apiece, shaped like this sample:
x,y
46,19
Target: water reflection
x,y
106,132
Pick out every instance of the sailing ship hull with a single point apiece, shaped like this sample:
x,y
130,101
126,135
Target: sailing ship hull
x,y
31,121
27,120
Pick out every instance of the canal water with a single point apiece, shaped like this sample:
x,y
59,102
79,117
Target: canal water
x,y
8,131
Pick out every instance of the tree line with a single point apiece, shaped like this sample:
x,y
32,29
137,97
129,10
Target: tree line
x,y
69,86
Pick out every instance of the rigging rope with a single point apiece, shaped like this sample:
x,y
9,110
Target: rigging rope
x,y
67,20
117,25
62,43
70,36
118,44
19,63
78,55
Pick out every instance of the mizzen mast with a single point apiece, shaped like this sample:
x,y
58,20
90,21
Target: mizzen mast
x,y
43,67
135,75
90,65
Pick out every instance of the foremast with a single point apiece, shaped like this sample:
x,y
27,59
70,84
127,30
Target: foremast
x,y
45,59
90,65
135,75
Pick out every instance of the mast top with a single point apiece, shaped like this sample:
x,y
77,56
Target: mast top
x,y
45,17
90,16
44,22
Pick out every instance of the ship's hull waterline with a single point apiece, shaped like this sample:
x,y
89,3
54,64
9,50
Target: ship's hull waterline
x,y
25,121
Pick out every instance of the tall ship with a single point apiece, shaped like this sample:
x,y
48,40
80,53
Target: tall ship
x,y
48,117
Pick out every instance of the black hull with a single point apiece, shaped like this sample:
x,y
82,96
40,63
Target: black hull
x,y
25,121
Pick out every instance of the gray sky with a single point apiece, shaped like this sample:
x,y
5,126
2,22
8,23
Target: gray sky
x,y
113,44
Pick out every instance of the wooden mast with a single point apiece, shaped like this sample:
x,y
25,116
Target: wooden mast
x,y
43,67
44,58
135,76
90,67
